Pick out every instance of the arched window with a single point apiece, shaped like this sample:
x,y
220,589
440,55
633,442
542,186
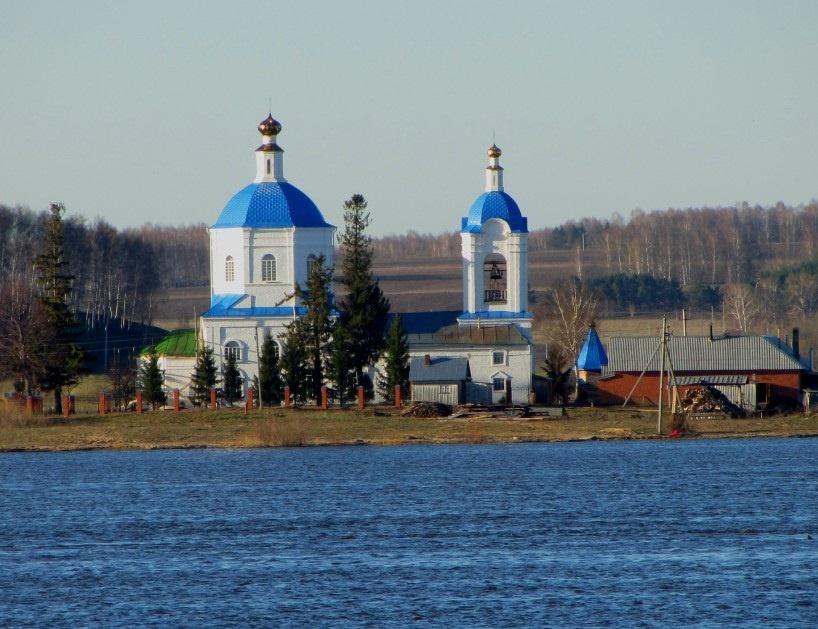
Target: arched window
x,y
268,268
311,262
232,348
494,278
268,166
229,269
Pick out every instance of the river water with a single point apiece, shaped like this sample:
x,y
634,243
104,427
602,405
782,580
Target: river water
x,y
606,534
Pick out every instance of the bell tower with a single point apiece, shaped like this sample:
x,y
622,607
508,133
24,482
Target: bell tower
x,y
494,239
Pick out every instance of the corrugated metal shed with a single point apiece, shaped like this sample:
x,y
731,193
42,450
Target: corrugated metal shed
x,y
470,335
440,369
700,353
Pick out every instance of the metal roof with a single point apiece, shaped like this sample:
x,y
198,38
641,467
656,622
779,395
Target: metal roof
x,y
701,353
494,204
713,379
439,369
274,204
470,335
177,343
494,314
592,356
424,322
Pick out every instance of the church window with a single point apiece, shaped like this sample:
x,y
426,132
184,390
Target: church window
x,y
233,349
311,262
498,358
229,269
499,384
268,268
268,166
494,279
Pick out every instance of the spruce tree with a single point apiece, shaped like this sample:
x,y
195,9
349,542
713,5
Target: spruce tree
x,y
269,378
339,368
61,356
233,382
316,325
364,309
205,376
153,381
396,361
293,361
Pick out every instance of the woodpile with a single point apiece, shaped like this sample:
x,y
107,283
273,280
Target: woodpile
x,y
427,409
708,400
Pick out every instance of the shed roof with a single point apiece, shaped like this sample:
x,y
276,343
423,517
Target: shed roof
x,y
701,353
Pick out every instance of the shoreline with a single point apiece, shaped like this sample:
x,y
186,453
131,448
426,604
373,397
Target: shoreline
x,y
374,426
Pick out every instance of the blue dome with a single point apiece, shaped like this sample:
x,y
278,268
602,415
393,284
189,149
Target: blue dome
x,y
495,204
271,204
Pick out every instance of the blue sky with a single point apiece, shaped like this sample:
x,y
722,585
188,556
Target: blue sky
x,y
146,112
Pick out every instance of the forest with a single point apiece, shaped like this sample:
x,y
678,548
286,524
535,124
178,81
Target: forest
x,y
757,263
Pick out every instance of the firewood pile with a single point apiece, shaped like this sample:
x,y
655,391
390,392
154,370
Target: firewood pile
x,y
427,409
708,400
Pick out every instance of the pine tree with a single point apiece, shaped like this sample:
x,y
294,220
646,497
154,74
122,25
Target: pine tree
x,y
364,309
205,376
62,357
316,326
396,361
269,379
153,381
233,382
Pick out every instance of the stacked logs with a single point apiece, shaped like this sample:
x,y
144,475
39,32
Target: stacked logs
x,y
427,409
702,400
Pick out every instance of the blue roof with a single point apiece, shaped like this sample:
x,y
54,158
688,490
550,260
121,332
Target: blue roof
x,y
592,356
223,306
495,204
424,322
494,314
258,311
271,204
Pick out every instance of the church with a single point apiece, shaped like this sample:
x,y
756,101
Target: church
x,y
270,233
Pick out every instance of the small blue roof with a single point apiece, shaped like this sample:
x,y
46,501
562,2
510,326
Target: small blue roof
x,y
271,204
592,356
495,204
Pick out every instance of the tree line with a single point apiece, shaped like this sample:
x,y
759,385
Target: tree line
x,y
115,272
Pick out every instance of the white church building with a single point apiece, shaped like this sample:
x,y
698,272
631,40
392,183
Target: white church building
x,y
264,242
270,233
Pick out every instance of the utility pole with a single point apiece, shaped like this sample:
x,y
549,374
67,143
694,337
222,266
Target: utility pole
x,y
662,371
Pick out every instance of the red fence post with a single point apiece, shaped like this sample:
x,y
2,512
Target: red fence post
x,y
398,396
139,402
214,402
287,397
176,400
323,398
361,400
103,403
251,397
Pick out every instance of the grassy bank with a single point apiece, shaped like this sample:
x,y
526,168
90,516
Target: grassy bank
x,y
232,428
